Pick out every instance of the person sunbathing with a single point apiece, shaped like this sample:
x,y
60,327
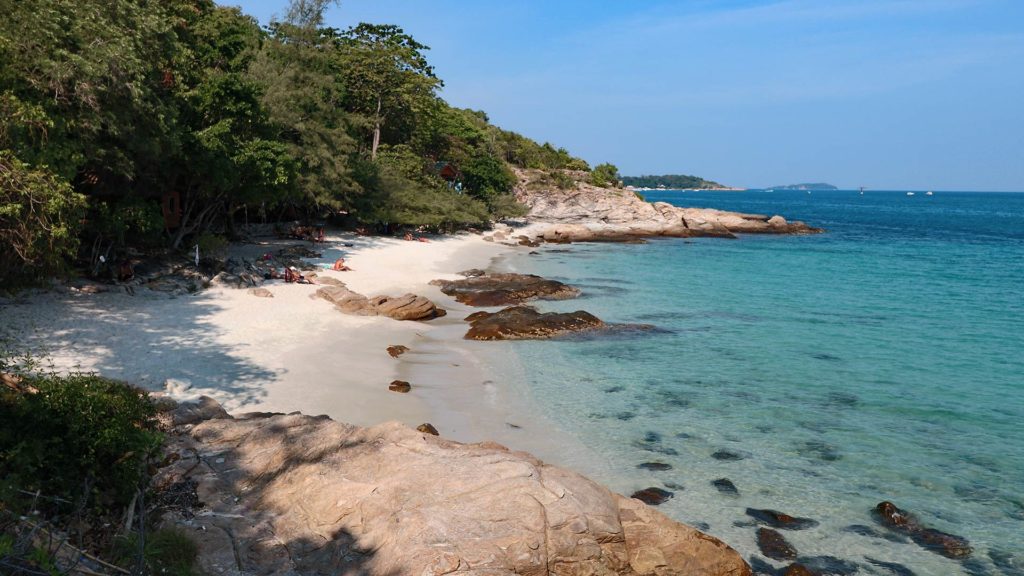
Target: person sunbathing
x,y
340,266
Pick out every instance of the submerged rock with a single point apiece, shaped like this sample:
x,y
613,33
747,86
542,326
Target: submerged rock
x,y
725,486
527,323
504,289
294,494
727,456
652,495
774,545
777,519
949,545
654,466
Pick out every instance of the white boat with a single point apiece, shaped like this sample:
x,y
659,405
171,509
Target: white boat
x,y
929,193
910,193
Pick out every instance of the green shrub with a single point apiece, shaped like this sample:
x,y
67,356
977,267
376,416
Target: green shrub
x,y
80,438
605,175
562,180
168,551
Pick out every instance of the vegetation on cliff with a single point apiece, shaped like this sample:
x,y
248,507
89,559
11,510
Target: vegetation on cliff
x,y
670,181
148,124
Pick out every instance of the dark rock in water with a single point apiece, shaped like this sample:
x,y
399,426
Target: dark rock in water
x,y
654,466
525,323
396,351
725,486
652,495
948,545
828,565
683,435
827,357
774,545
613,389
777,519
975,567
820,450
872,533
504,289
675,486
399,386
726,456
473,273
652,437
843,399
428,429
892,567
652,443
625,416
702,526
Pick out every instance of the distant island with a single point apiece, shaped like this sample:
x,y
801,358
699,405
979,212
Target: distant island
x,y
672,182
808,186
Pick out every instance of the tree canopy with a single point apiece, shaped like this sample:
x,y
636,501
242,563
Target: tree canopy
x,y
109,107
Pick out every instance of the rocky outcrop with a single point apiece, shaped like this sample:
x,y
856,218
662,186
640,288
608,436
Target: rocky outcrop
x,y
774,545
777,519
504,289
949,545
527,323
589,213
407,307
297,495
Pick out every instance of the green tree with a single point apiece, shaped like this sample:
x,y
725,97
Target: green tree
x,y
387,77
605,175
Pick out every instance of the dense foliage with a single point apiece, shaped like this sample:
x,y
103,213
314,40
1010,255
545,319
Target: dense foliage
x,y
110,107
78,439
670,181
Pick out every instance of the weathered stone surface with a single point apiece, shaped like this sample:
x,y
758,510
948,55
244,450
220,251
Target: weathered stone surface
x,y
777,519
261,292
299,495
205,408
526,323
407,307
774,545
590,213
400,386
652,495
948,545
398,350
504,289
428,428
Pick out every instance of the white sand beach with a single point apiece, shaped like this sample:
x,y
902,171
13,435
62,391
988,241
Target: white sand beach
x,y
294,352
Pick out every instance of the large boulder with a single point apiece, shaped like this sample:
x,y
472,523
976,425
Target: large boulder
x,y
406,307
504,289
527,323
298,495
949,545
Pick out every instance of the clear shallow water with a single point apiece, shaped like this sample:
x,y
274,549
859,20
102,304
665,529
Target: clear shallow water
x,y
883,360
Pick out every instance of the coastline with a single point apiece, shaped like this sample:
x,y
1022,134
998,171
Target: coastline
x,y
296,353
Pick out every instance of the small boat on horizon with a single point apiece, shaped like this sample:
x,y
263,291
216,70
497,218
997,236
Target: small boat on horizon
x,y
910,193
929,193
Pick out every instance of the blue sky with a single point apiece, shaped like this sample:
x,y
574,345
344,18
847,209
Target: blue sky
x,y
887,94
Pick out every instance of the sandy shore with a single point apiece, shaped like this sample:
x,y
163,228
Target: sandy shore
x,y
293,352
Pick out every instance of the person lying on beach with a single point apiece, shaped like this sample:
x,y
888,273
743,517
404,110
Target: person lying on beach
x,y
339,266
291,274
408,236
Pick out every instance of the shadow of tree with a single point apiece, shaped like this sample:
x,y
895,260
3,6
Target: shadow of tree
x,y
145,340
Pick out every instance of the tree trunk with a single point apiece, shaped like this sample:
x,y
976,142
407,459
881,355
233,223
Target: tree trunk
x,y
376,131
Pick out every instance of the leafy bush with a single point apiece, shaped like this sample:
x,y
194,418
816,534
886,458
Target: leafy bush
x,y
486,176
79,438
605,175
39,221
562,180
168,551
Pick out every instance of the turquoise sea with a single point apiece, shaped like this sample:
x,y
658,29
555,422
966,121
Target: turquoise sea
x,y
882,360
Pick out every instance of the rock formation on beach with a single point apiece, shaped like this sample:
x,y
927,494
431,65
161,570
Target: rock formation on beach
x,y
406,307
586,212
528,323
502,289
294,494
